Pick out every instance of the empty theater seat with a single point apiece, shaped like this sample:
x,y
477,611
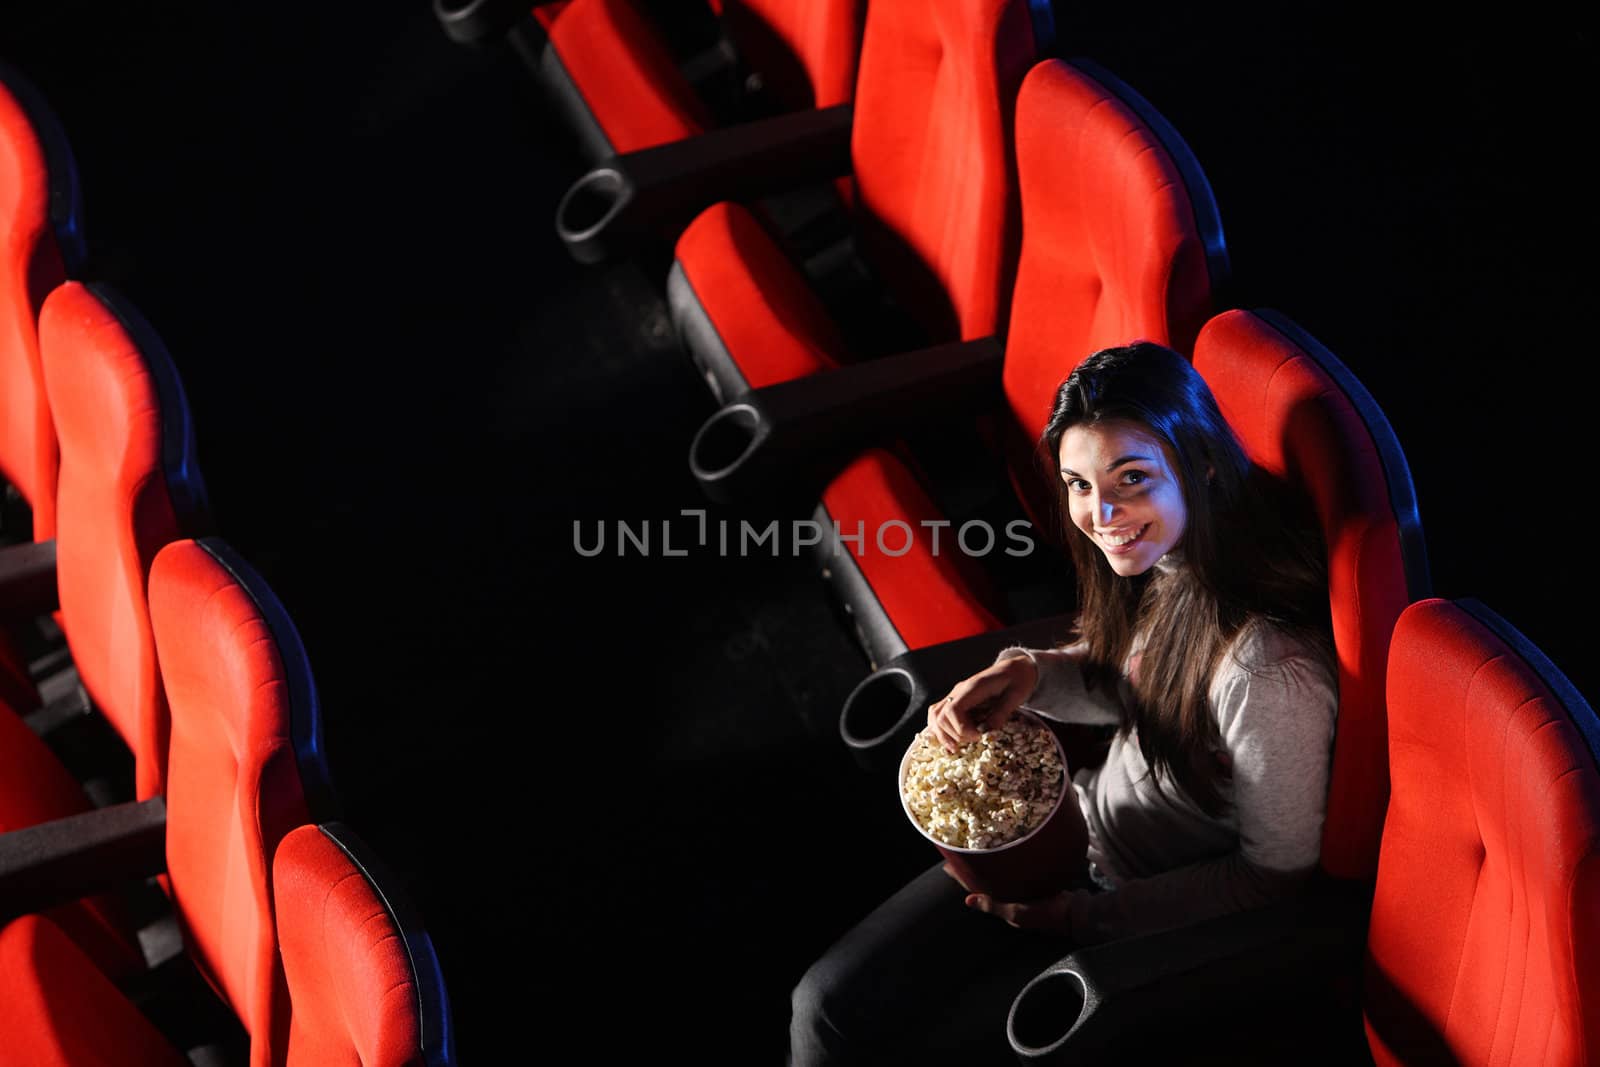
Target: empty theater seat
x,y
1122,241
935,209
364,982
41,245
128,485
1482,945
245,768
615,75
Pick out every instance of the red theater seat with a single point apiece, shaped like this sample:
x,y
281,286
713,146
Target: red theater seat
x,y
617,78
1484,943
935,207
40,247
128,483
364,983
1121,242
1302,415
245,768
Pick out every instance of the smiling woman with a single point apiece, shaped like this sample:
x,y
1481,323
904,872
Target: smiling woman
x,y
1202,636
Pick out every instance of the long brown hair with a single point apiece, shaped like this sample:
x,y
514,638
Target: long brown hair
x,y
1250,552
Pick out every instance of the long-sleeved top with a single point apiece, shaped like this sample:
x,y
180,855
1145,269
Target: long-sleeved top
x,y
1164,860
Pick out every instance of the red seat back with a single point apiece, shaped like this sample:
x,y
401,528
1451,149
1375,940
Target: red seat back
x,y
39,245
236,782
363,984
128,485
1122,243
931,147
1484,945
1301,415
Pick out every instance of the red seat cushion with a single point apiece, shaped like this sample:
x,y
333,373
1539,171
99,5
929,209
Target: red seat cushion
x,y
58,1010
1484,945
1295,421
352,992
35,788
113,514
930,593
771,323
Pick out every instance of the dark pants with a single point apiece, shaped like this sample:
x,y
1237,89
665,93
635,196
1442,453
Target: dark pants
x,y
923,979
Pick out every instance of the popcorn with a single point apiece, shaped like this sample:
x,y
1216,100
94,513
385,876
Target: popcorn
x,y
990,792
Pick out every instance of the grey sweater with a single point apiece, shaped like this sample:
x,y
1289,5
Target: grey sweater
x,y
1165,861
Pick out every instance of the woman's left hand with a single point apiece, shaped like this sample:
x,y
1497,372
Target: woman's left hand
x,y
1047,913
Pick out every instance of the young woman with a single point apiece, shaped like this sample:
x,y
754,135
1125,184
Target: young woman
x,y
1203,638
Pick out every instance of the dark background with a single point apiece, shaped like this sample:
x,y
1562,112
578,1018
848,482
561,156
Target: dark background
x,y
614,785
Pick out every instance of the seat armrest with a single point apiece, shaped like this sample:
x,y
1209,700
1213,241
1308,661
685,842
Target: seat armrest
x,y
795,435
633,194
474,22
28,580
890,705
62,860
1285,957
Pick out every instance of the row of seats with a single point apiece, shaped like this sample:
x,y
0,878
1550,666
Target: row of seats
x,y
208,897
1012,213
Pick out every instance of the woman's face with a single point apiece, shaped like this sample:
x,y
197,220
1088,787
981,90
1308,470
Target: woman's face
x,y
1123,493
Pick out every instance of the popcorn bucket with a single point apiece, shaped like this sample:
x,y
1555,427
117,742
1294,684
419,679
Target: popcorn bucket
x,y
1040,863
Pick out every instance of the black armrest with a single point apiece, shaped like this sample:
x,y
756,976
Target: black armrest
x,y
28,580
1290,957
54,862
793,435
473,22
890,705
633,194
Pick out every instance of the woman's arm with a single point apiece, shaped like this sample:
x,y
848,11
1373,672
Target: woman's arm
x,y
1059,692
1276,720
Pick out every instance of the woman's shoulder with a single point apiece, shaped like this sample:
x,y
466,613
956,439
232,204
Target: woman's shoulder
x,y
1264,647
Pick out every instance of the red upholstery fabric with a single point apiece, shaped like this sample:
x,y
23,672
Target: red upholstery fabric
x,y
931,147
763,310
805,50
113,513
233,788
1112,253
1484,945
929,597
35,788
30,266
58,1010
353,996
1296,422
625,74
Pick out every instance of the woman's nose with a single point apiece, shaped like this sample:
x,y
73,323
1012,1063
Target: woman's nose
x,y
1103,510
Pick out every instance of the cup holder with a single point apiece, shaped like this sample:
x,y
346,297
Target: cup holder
x,y
725,440
591,203
877,706
475,21
1045,1012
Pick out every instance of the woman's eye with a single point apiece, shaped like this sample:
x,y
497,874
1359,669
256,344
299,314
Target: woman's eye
x,y
1077,485
1135,477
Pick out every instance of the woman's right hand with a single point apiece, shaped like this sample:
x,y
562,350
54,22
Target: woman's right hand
x,y
982,702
